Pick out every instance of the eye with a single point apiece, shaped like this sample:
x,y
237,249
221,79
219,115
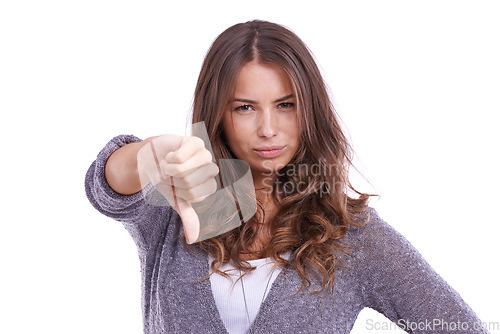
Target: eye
x,y
243,108
286,105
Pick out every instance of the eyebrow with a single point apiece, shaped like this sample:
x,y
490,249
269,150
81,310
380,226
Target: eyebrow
x,y
281,99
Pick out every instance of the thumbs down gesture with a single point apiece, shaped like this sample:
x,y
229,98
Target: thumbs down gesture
x,y
211,198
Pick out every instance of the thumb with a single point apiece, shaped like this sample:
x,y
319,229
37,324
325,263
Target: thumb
x,y
189,217
190,220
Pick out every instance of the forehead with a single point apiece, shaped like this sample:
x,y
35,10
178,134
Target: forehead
x,y
262,80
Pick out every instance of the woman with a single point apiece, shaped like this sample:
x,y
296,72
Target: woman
x,y
263,100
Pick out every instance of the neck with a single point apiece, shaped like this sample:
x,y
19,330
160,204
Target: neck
x,y
263,183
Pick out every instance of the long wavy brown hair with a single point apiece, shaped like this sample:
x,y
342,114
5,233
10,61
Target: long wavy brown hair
x,y
314,210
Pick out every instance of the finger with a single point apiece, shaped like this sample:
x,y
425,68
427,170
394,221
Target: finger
x,y
165,144
191,195
169,193
199,159
189,147
199,193
196,177
189,217
190,221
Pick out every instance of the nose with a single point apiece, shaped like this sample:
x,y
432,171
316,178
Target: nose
x,y
267,123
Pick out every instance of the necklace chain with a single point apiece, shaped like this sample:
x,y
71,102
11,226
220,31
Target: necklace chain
x,y
245,298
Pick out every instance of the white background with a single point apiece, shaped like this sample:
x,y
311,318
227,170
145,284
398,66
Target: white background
x,y
416,84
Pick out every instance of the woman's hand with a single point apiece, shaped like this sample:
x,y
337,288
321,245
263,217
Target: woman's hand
x,y
181,169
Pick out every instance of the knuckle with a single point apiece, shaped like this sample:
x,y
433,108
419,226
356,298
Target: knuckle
x,y
179,156
214,168
163,171
213,184
207,156
190,195
188,183
175,169
198,141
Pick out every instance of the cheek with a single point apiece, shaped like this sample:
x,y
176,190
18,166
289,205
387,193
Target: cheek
x,y
238,129
228,128
291,124
233,135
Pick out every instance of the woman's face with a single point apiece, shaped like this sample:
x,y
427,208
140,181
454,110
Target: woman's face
x,y
260,122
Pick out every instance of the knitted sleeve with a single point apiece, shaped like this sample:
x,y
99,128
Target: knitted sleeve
x,y
400,284
141,219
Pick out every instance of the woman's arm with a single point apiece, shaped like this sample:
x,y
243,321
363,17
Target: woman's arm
x,y
121,170
180,168
399,283
124,208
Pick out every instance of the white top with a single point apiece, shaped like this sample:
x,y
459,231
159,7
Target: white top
x,y
229,295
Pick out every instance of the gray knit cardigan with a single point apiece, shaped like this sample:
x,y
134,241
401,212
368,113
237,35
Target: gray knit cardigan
x,y
385,273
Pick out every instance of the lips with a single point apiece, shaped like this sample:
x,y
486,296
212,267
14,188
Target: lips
x,y
271,151
269,148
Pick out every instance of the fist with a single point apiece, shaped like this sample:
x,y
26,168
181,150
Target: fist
x,y
182,170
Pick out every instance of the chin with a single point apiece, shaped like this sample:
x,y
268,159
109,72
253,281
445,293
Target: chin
x,y
271,167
